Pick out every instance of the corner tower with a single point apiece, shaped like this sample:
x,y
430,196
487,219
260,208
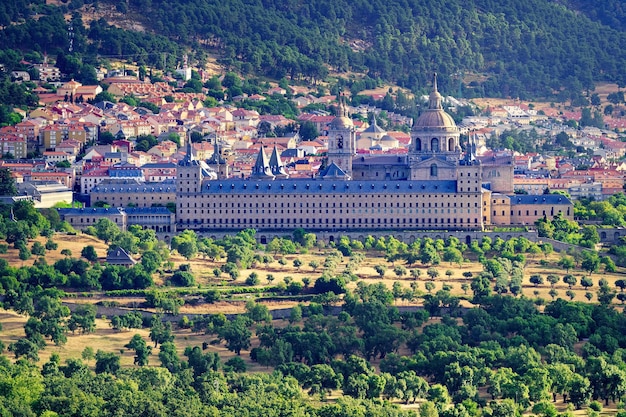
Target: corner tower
x,y
342,140
189,173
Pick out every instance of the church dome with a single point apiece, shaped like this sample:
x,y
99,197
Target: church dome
x,y
341,123
435,117
438,119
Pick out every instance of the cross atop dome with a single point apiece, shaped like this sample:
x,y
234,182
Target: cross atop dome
x,y
434,101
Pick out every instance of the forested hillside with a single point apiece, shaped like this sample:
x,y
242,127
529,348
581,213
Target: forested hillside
x,y
608,12
496,48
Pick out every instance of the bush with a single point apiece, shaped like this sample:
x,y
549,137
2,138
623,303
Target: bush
x,y
595,406
89,253
253,279
183,279
4,248
235,364
212,296
294,288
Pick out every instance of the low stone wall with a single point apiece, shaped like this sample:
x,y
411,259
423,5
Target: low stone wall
x,y
562,246
611,235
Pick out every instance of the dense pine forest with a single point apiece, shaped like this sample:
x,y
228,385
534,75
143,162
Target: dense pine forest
x,y
529,49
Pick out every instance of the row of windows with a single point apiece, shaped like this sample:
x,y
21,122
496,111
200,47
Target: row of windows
x,y
334,196
519,212
333,211
321,205
434,144
136,199
91,220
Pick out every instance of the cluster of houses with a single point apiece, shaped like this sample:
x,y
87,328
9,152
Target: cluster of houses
x,y
598,175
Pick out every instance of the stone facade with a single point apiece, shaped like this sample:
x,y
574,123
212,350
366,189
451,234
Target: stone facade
x,y
159,219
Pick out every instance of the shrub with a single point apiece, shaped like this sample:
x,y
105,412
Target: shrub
x,y
183,279
235,364
595,406
253,279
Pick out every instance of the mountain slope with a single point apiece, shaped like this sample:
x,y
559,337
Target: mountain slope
x,y
529,47
520,49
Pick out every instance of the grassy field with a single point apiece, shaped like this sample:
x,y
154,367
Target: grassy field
x,y
203,270
109,340
75,243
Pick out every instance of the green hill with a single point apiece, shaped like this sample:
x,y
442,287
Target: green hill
x,y
506,48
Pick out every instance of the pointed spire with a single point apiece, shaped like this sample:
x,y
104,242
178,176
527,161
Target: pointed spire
x,y
434,102
216,158
261,168
341,109
188,159
189,150
278,169
474,145
470,151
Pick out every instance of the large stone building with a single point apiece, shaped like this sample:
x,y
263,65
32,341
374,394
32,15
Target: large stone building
x,y
159,219
431,188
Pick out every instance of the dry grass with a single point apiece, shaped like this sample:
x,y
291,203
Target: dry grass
x,y
74,243
202,269
109,340
602,89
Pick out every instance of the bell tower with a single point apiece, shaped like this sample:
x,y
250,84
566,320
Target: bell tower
x,y
342,140
189,173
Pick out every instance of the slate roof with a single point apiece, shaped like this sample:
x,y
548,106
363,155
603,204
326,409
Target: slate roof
x,y
156,165
135,187
100,211
335,172
119,257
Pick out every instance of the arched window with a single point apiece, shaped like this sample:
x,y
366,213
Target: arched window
x,y
451,144
433,170
418,144
434,145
